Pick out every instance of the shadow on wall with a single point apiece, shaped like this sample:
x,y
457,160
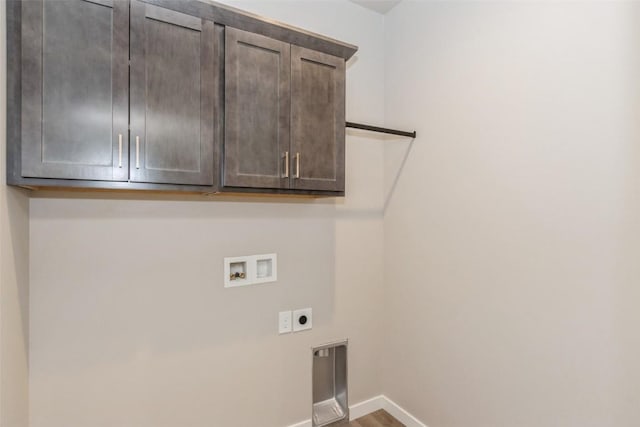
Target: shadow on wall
x,y
15,307
627,294
18,213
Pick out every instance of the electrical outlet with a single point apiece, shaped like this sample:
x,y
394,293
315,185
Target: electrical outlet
x,y
302,319
284,322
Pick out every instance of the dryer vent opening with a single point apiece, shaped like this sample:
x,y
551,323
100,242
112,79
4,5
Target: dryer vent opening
x,y
330,397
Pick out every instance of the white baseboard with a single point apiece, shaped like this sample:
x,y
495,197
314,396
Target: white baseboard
x,y
400,414
371,405
366,407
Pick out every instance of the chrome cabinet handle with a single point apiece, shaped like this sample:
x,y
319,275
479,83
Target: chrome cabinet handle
x,y
119,150
137,152
286,164
297,166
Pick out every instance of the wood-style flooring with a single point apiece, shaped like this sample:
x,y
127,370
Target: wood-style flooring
x,y
379,418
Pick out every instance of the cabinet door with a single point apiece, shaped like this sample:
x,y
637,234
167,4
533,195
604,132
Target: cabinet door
x,y
75,57
173,80
317,120
257,106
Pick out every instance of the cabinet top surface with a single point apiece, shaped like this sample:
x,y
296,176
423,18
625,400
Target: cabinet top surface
x,y
231,16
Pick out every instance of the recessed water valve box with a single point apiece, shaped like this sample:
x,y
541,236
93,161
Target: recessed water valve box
x,y
250,270
236,271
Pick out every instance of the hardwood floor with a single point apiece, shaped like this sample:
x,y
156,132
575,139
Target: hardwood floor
x,y
379,418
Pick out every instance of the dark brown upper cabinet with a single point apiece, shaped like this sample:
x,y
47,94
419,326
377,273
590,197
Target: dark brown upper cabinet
x,y
173,80
75,89
284,123
257,110
171,95
317,120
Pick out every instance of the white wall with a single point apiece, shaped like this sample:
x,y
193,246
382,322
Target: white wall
x,y
512,239
510,245
14,279
130,324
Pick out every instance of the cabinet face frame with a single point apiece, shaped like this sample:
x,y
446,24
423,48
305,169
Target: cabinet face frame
x,y
318,141
248,124
33,104
170,171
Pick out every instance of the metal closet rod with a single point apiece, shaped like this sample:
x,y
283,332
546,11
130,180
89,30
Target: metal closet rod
x,y
381,130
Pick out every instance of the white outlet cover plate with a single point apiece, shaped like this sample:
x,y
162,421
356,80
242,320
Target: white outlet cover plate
x,y
284,322
297,327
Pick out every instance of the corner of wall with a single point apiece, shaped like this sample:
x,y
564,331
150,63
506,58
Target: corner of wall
x,y
14,278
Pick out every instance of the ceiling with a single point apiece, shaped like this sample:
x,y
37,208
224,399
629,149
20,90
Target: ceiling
x,y
380,6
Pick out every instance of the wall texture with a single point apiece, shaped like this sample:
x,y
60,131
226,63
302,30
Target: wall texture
x,y
130,324
14,278
512,238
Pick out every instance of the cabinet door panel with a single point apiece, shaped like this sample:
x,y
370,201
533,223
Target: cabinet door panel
x,y
173,78
74,93
317,120
257,93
